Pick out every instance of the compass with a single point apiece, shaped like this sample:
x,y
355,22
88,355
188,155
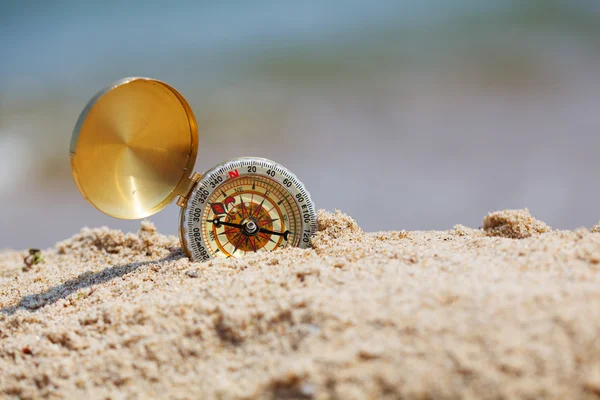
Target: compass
x,y
132,153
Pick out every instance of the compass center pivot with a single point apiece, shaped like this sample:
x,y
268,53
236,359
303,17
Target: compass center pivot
x,y
250,227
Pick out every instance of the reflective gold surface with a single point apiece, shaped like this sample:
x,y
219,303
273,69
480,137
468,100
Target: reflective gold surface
x,y
134,147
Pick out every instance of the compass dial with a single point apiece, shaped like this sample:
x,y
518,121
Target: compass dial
x,y
243,206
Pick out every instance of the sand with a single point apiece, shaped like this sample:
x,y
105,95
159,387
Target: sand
x,y
464,313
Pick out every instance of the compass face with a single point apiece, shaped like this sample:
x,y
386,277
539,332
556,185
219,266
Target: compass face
x,y
243,206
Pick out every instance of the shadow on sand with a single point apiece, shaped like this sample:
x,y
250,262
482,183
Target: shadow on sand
x,y
35,301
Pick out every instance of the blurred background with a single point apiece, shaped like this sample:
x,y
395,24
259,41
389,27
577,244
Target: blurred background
x,y
404,114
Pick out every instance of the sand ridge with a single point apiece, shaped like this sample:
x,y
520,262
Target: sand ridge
x,y
462,313
515,224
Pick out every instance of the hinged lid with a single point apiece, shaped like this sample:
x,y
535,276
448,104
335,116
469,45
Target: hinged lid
x,y
134,147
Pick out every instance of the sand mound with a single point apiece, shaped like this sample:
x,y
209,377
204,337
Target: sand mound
x,y
438,315
514,224
333,229
93,241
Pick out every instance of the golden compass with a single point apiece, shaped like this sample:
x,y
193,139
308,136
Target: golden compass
x,y
132,153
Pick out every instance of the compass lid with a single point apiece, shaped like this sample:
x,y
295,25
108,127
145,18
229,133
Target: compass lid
x,y
133,148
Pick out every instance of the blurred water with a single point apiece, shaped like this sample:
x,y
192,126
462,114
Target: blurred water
x,y
406,115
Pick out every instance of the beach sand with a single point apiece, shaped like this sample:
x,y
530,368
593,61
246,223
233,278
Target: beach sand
x,y
511,310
